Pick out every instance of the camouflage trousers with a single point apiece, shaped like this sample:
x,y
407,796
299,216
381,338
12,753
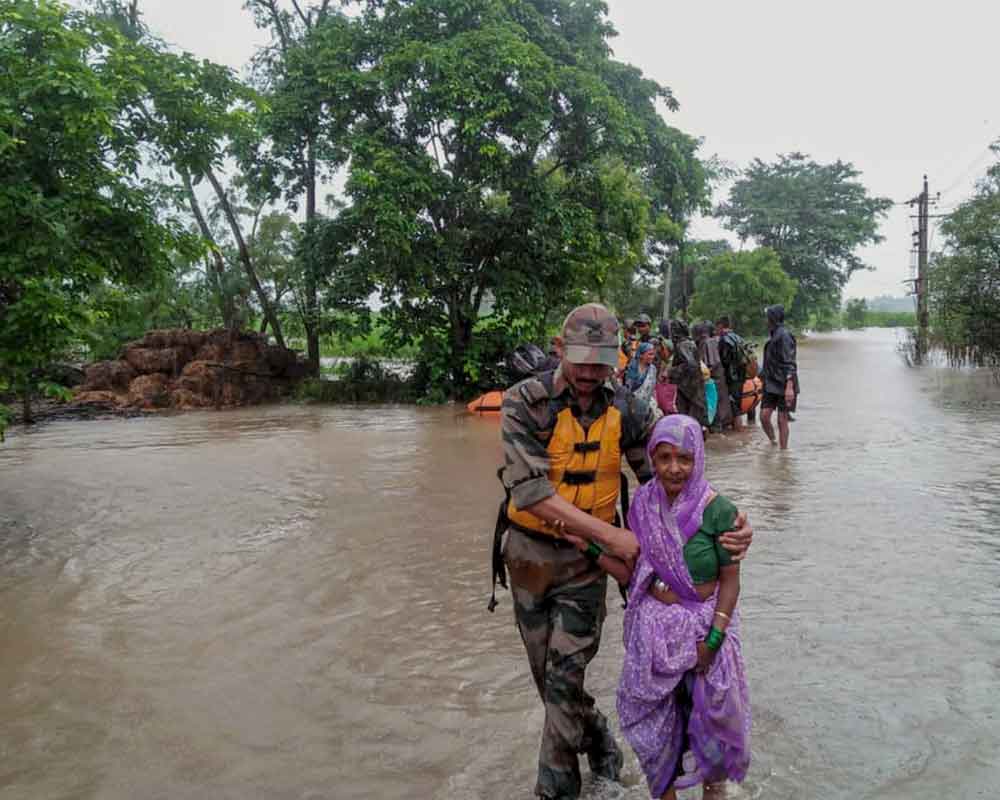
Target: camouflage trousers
x,y
559,606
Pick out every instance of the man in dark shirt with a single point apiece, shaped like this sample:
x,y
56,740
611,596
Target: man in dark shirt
x,y
732,365
564,434
781,376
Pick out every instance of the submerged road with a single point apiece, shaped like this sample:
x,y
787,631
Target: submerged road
x,y
290,602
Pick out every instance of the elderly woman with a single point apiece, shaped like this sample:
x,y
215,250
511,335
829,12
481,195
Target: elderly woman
x,y
640,376
683,686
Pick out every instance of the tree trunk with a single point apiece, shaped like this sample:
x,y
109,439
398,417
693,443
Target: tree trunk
x,y
227,307
245,259
668,274
311,321
461,338
26,412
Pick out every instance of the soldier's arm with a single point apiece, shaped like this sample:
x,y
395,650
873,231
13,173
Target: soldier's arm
x,y
620,570
526,461
618,542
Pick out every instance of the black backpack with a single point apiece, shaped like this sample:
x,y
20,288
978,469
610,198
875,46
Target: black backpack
x,y
739,360
526,361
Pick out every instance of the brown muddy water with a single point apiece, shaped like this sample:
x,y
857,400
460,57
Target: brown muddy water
x,y
290,602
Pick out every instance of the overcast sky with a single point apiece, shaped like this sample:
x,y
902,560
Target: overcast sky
x,y
897,87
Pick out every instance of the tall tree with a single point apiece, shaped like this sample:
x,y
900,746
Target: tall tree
x,y
74,210
964,279
498,162
198,116
814,216
302,124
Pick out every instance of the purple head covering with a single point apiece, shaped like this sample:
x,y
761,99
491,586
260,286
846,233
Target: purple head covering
x,y
689,507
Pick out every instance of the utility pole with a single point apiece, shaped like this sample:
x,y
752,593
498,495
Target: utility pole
x,y
922,202
923,315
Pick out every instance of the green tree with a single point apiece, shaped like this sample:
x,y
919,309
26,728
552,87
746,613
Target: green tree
x,y
964,281
74,211
197,117
302,129
855,313
499,164
815,216
741,285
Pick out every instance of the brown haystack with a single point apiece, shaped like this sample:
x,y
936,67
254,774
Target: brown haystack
x,y
200,377
108,375
103,398
150,391
183,399
193,369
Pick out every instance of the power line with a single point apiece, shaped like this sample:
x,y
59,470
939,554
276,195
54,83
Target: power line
x,y
967,171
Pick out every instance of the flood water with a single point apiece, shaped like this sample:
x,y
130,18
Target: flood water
x,y
290,602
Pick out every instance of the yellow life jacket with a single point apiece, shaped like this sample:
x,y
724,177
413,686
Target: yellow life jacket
x,y
585,468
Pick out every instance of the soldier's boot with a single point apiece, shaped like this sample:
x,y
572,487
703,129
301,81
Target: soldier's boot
x,y
603,754
557,783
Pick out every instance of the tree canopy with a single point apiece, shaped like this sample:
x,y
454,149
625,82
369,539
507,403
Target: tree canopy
x,y
964,280
501,162
75,209
742,285
814,216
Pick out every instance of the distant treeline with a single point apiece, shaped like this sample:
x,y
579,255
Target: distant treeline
x,y
857,314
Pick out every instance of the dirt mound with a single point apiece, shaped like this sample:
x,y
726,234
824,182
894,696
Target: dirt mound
x,y
192,369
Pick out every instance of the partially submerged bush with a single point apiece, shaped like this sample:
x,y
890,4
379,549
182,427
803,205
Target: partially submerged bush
x,y
360,381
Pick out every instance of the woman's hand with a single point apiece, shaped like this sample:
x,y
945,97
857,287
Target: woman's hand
x,y
737,541
705,658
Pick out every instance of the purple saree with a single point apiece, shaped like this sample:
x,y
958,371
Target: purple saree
x,y
661,642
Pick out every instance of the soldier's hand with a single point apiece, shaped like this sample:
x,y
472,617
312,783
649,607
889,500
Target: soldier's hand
x,y
737,541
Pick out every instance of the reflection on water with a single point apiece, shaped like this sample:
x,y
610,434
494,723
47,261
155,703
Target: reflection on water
x,y
290,602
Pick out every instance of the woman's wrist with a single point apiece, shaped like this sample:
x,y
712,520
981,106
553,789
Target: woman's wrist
x,y
714,639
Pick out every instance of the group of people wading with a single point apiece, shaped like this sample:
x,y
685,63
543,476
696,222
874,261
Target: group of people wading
x,y
682,698
709,372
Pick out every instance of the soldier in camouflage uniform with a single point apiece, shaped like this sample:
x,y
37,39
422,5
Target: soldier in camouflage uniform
x,y
559,591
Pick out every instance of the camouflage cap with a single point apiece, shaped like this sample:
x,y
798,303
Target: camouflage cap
x,y
590,336
643,319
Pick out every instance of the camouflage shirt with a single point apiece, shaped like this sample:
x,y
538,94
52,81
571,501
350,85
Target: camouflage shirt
x,y
531,407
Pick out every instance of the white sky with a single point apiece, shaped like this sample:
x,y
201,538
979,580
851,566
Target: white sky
x,y
897,87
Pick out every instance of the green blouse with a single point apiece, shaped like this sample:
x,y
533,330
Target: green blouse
x,y
703,554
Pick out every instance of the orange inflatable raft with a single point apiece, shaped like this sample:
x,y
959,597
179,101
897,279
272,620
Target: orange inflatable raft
x,y
487,404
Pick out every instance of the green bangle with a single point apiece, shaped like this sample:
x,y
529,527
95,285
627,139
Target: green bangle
x,y
714,639
593,551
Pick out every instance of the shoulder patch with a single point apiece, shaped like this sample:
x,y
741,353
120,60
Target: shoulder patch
x,y
533,391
